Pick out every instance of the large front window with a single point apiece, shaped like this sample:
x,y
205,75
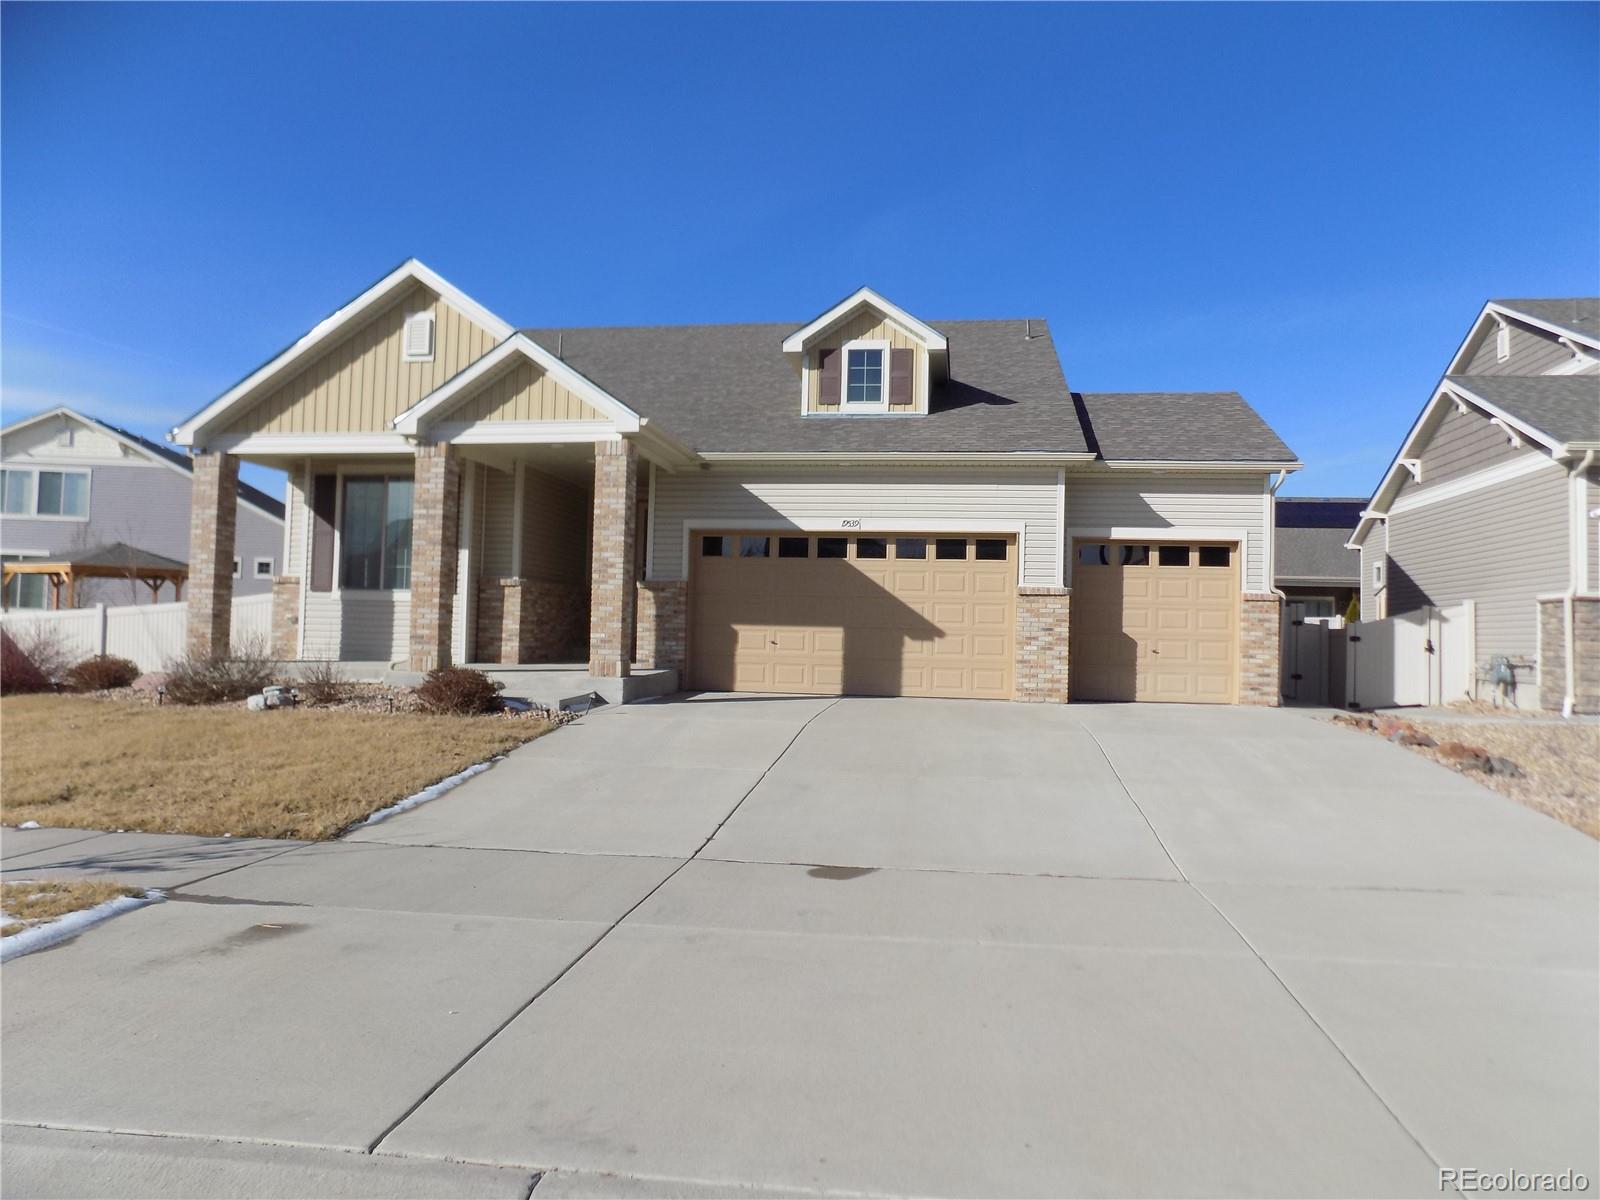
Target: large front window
x,y
376,533
864,377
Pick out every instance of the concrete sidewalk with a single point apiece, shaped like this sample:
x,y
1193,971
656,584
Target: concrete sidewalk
x,y
842,947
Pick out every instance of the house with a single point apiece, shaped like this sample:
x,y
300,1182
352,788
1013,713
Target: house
x,y
75,487
865,502
1493,497
1314,566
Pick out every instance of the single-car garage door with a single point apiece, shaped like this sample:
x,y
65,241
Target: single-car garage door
x,y
1154,622
881,615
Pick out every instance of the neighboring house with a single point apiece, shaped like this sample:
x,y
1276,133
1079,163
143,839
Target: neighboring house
x,y
1493,498
75,486
1315,567
865,503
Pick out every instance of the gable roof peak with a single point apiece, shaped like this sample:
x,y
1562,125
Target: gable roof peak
x,y
864,297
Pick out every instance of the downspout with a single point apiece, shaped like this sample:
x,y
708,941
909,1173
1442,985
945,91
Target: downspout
x,y
1578,529
1272,536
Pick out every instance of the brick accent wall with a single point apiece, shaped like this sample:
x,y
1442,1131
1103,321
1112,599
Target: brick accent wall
x,y
1260,619
663,640
611,586
1553,654
435,505
213,515
529,620
286,617
1043,617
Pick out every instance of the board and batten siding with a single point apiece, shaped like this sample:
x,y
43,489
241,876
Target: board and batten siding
x,y
525,393
1500,546
1461,443
1374,551
866,326
1102,500
893,499
363,381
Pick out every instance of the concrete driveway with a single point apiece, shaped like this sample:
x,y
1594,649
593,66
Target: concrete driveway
x,y
741,946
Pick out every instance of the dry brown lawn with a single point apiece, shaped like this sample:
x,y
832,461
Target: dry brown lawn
x,y
29,902
305,773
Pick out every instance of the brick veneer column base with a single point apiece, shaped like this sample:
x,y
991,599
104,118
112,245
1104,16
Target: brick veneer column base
x,y
612,593
435,505
1553,654
1260,615
529,620
1043,618
286,617
213,515
663,631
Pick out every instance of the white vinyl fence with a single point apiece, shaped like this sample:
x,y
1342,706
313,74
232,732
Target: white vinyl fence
x,y
1427,656
149,634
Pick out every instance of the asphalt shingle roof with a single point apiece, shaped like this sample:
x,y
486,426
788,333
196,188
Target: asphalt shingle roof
x,y
1318,512
1316,554
1580,314
1564,407
729,388
1180,427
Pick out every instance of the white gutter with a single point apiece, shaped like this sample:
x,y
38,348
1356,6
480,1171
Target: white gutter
x,y
1575,580
1272,536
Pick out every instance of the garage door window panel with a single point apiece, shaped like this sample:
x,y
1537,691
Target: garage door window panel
x,y
910,548
1172,556
794,547
950,549
754,547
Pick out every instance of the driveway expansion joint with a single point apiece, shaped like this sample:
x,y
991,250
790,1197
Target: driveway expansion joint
x,y
584,953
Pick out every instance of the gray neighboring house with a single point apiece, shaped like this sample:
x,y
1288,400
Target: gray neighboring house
x,y
72,484
1493,497
1312,564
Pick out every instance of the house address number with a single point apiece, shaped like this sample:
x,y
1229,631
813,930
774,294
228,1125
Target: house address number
x,y
850,523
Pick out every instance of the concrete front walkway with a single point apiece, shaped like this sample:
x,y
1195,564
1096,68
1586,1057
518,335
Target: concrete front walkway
x,y
765,945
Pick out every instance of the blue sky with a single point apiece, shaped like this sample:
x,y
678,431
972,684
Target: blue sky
x,y
1305,203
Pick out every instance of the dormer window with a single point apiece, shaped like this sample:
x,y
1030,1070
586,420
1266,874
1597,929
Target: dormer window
x,y
864,383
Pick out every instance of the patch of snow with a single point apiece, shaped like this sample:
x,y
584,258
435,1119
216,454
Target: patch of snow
x,y
71,925
432,792
29,825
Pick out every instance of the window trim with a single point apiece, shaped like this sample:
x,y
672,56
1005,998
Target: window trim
x,y
881,405
343,475
33,513
255,568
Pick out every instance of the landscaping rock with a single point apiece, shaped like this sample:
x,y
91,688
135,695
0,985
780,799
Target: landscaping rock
x,y
1461,752
1414,737
1504,766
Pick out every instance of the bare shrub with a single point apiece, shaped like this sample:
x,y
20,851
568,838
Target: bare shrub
x,y
45,647
100,672
459,690
322,682
193,679
18,672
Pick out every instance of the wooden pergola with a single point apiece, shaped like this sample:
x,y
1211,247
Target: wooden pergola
x,y
117,560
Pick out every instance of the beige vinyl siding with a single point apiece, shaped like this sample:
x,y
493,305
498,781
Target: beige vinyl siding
x,y
526,393
1501,546
868,326
294,515
555,525
1374,550
1099,501
1591,532
358,626
818,500
362,382
498,499
1462,442
1533,352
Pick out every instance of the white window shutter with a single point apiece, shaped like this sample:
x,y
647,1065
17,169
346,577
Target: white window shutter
x,y
419,336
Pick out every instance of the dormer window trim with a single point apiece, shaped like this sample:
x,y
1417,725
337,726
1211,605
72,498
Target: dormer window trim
x,y
863,348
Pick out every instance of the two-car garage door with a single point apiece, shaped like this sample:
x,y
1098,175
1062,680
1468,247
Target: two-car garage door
x,y
880,615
